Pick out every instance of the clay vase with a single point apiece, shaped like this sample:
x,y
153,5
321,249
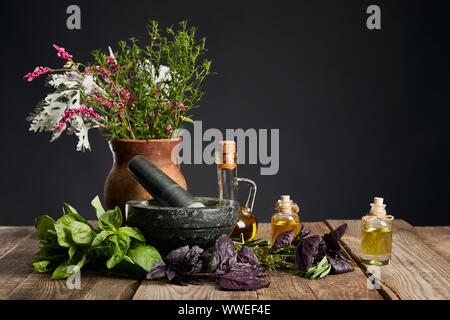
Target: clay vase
x,y
121,186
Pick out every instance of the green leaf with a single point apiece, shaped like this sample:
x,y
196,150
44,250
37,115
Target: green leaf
x,y
144,256
43,225
61,271
69,209
120,244
133,233
81,233
41,266
187,119
111,220
96,203
99,238
327,271
72,251
63,234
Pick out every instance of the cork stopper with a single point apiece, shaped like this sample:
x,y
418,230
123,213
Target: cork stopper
x,y
227,146
378,207
285,204
226,157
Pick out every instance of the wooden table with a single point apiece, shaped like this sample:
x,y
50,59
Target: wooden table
x,y
418,270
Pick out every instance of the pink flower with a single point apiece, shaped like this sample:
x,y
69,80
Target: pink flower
x,y
38,71
69,113
112,62
169,127
62,53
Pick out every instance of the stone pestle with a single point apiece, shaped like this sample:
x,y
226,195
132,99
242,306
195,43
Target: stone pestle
x,y
160,185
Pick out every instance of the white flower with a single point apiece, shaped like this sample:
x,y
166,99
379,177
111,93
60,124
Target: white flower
x,y
89,84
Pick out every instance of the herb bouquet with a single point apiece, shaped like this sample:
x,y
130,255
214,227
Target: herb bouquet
x,y
136,96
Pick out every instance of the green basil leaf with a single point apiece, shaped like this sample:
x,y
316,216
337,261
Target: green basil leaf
x,y
61,272
43,225
144,256
72,251
96,203
41,266
120,244
133,233
81,233
63,234
100,237
111,220
69,209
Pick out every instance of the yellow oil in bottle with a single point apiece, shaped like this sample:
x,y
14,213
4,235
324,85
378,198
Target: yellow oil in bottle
x,y
278,227
285,219
376,241
246,225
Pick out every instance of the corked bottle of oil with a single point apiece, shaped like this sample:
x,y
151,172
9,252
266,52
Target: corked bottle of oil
x,y
376,234
286,218
228,181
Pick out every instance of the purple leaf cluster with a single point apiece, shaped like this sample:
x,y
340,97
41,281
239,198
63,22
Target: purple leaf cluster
x,y
234,271
284,239
237,271
180,266
328,245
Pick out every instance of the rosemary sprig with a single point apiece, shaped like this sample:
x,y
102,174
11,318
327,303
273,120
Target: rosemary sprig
x,y
270,258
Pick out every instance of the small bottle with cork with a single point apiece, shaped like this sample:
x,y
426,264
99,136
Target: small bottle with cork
x,y
376,235
286,218
228,182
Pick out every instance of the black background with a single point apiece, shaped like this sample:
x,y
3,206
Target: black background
x,y
361,112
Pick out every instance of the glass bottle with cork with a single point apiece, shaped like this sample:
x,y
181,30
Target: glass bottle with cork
x,y
228,182
286,218
376,235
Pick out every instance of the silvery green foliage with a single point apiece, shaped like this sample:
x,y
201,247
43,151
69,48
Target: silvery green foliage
x,y
147,71
49,111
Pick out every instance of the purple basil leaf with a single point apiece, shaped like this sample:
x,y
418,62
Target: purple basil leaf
x,y
339,264
193,263
246,255
177,255
242,277
158,271
170,274
225,248
332,239
283,239
305,252
207,253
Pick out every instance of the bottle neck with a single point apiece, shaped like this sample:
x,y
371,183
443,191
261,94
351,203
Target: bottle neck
x,y
227,184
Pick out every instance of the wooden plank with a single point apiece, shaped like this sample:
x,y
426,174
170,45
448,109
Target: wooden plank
x,y
416,271
437,238
17,249
352,285
284,285
12,236
93,286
